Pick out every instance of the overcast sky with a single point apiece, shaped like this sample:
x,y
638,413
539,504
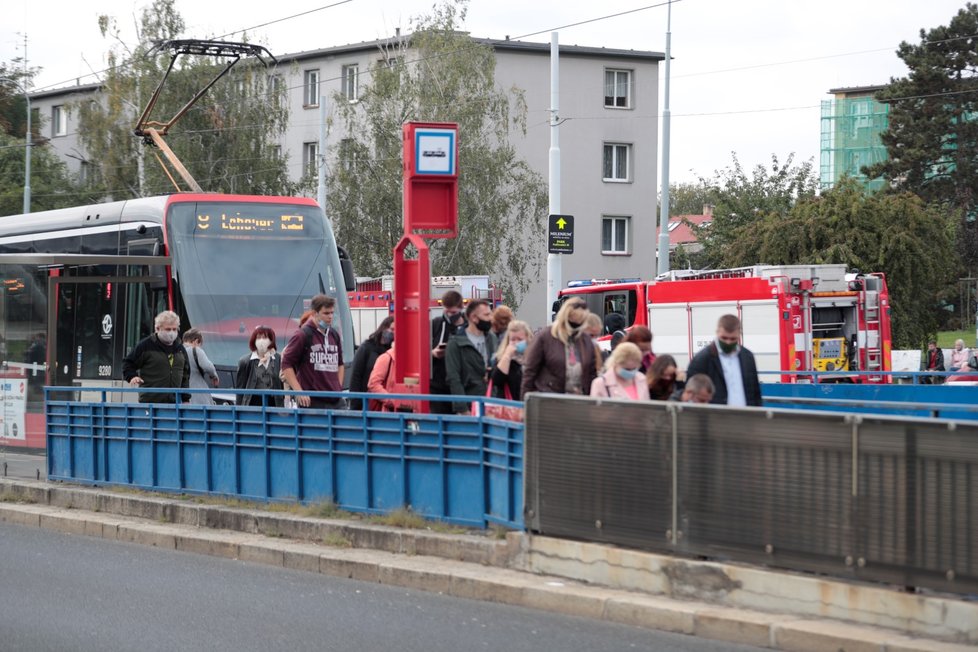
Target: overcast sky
x,y
748,76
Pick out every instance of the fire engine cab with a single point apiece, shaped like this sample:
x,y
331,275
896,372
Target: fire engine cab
x,y
796,318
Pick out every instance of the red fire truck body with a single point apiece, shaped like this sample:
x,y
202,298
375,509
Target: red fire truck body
x,y
796,318
373,300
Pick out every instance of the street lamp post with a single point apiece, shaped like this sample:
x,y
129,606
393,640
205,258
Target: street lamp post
x,y
27,154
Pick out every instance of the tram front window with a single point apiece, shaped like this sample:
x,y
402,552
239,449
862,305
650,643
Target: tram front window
x,y
239,266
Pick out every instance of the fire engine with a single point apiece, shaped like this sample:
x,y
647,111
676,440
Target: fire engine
x,y
373,299
796,318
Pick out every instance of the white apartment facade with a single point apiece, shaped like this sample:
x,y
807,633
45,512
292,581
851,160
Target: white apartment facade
x,y
608,138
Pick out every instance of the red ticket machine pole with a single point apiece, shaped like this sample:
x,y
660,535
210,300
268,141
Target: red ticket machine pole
x,y
430,211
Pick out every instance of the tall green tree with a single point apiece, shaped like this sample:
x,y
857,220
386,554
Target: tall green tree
x,y
13,106
932,140
51,184
688,198
743,199
439,74
226,141
894,233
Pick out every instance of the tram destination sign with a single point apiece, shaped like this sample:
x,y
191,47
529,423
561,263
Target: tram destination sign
x,y
239,223
560,234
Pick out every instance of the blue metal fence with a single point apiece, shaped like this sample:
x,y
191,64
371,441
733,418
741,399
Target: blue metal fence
x,y
944,401
462,469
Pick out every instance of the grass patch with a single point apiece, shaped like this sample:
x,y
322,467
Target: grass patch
x,y
337,540
498,531
403,517
11,497
945,339
325,509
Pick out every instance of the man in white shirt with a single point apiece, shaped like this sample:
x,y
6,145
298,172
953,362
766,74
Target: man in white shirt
x,y
729,365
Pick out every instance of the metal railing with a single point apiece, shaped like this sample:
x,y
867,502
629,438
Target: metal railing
x,y
857,496
461,469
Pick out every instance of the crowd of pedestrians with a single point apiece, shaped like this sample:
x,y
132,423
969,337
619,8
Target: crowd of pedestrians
x,y
476,351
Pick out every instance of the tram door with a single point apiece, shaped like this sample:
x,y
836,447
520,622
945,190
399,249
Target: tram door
x,y
85,331
97,321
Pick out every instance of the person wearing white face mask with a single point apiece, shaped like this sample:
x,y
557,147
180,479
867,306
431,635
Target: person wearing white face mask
x,y
621,378
506,376
259,369
158,361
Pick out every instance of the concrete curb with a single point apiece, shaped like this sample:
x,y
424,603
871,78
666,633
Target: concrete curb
x,y
465,579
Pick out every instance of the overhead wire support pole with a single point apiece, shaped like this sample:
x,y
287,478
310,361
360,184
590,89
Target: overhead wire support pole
x,y
663,256
554,271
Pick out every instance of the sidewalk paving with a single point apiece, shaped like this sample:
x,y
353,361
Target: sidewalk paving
x,y
463,565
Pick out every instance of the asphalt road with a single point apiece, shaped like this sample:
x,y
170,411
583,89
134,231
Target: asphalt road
x,y
66,593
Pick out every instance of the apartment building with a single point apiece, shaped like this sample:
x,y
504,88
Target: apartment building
x,y
608,138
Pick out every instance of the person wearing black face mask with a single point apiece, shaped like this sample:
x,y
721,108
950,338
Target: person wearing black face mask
x,y
366,357
468,355
729,365
442,328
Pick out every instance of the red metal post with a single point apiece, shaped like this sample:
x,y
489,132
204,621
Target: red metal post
x,y
430,211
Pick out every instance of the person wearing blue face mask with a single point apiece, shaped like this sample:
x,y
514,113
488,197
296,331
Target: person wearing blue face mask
x,y
313,358
621,378
507,371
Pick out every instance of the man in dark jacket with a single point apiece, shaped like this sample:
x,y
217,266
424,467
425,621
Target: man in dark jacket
x,y
443,328
729,365
935,362
468,356
158,361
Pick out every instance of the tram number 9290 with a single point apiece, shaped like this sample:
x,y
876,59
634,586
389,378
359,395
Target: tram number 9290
x,y
105,371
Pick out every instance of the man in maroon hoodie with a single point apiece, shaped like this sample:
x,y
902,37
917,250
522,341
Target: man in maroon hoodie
x,y
313,358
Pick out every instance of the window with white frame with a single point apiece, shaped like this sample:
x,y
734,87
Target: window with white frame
x,y
311,88
616,161
310,159
59,121
617,84
276,152
614,235
351,82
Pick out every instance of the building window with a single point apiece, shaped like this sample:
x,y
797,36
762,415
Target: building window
x,y
616,161
351,82
616,89
614,235
276,152
310,159
59,121
311,87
